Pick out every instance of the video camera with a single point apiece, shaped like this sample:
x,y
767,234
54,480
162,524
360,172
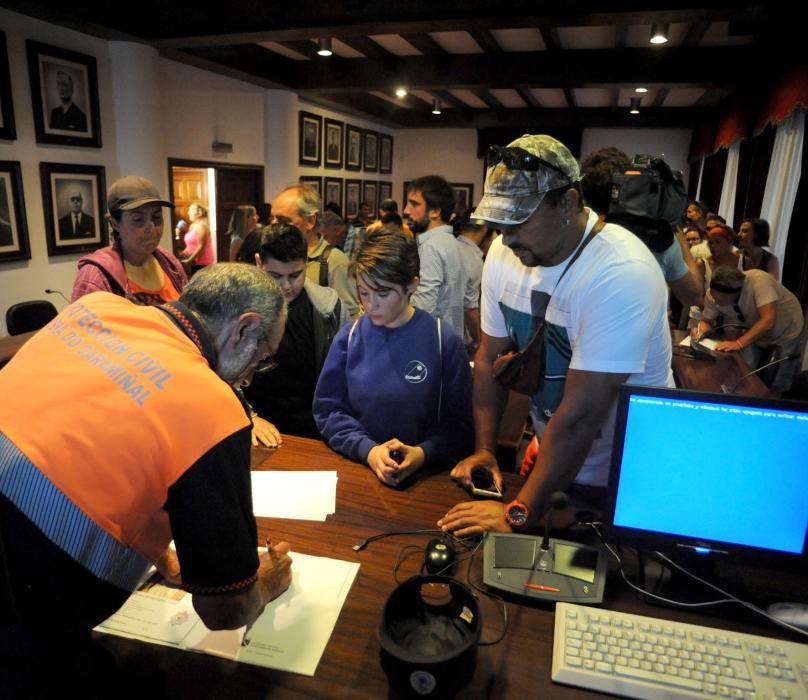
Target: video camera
x,y
649,199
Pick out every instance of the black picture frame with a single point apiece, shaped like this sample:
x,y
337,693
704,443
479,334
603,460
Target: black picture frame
x,y
353,195
353,147
386,191
333,143
61,184
313,181
8,128
53,71
385,154
333,191
370,195
310,127
370,159
463,192
14,242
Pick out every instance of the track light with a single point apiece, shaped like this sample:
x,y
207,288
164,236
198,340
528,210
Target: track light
x,y
401,92
635,105
436,106
324,46
641,89
659,34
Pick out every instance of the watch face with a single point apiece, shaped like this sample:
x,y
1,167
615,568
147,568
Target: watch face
x,y
517,514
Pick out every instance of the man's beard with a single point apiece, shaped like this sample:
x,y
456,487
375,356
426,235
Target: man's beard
x,y
419,225
530,260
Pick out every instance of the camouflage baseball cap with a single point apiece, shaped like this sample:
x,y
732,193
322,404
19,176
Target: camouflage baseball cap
x,y
510,196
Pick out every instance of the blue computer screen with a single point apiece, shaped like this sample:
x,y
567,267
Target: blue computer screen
x,y
713,470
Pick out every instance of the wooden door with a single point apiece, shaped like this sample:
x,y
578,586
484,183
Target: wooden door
x,y
189,185
235,186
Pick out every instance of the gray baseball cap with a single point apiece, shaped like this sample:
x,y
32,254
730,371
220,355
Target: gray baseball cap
x,y
131,192
511,196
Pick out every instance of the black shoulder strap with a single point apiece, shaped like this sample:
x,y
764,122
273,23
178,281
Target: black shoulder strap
x,y
324,265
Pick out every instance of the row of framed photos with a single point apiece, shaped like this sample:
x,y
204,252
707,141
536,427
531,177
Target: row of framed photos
x,y
348,193
342,145
73,202
64,93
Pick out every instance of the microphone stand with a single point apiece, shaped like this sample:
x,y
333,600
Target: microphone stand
x,y
56,291
731,390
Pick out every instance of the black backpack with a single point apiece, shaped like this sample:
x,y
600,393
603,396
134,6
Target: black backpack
x,y
649,199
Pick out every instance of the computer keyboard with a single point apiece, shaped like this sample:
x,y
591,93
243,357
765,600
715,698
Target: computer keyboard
x,y
646,657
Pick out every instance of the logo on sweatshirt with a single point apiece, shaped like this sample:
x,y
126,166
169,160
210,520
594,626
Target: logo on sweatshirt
x,y
415,372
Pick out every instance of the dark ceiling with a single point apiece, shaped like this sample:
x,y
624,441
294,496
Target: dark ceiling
x,y
491,63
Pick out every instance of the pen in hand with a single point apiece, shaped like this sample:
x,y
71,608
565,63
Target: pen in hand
x,y
245,641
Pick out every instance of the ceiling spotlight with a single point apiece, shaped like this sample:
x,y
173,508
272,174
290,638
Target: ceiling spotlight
x,y
324,46
635,105
641,89
401,92
436,106
659,34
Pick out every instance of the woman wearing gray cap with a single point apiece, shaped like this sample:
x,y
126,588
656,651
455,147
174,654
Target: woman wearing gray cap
x,y
133,265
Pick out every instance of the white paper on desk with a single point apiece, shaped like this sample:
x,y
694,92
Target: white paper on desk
x,y
309,495
708,343
290,635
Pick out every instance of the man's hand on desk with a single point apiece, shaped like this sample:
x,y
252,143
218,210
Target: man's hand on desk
x,y
275,570
382,459
474,518
265,434
481,458
169,567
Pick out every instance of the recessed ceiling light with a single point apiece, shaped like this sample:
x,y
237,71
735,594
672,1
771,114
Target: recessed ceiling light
x,y
324,46
635,105
401,92
436,106
641,89
659,34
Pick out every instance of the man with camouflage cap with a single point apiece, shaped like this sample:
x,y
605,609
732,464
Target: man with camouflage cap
x,y
605,324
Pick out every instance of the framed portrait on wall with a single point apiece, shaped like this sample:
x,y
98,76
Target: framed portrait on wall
x,y
353,192
385,153
73,201
14,243
8,129
386,192
310,126
353,147
370,195
64,94
464,193
371,146
313,181
333,191
333,143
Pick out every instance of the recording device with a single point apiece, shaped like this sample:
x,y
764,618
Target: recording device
x,y
483,484
56,291
545,568
731,390
439,557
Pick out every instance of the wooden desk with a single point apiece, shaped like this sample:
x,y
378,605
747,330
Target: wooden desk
x,y
9,344
708,375
519,666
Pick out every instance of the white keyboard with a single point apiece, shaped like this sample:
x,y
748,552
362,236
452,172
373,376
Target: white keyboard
x,y
646,657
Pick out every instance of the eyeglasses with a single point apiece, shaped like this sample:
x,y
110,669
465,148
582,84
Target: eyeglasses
x,y
266,365
515,158
75,199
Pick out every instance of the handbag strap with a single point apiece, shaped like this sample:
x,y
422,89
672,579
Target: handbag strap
x,y
596,229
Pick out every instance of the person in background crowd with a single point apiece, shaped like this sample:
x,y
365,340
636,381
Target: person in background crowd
x,y
243,220
133,265
334,229
753,236
198,252
282,400
158,450
472,234
397,379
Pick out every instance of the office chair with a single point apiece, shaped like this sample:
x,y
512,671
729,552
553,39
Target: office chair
x,y
29,316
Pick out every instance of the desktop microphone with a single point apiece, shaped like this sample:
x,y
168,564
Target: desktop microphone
x,y
731,390
56,291
558,501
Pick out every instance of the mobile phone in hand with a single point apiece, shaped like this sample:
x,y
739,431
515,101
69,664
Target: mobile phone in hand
x,y
483,484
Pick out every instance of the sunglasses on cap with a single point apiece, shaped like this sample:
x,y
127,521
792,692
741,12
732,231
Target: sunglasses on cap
x,y
515,158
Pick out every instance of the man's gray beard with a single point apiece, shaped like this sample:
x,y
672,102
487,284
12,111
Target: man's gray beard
x,y
231,368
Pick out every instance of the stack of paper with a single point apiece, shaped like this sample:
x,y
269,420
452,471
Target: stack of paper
x,y
309,495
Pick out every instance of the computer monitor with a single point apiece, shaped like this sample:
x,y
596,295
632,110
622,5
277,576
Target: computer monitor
x,y
716,475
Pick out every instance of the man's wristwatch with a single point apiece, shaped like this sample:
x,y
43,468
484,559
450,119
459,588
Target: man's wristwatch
x,y
516,514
